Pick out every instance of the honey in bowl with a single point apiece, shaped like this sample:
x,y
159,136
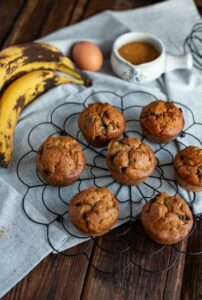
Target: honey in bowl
x,y
138,53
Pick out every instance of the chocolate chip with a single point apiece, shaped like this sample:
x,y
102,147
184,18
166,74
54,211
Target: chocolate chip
x,y
112,158
47,172
183,217
123,170
40,152
106,114
199,174
78,204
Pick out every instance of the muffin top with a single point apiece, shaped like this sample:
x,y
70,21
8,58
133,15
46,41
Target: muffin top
x,y
188,165
93,210
101,122
130,158
167,219
60,160
162,119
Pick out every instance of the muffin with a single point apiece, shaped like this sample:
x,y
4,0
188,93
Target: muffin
x,y
161,121
130,161
100,123
93,211
188,168
60,160
167,219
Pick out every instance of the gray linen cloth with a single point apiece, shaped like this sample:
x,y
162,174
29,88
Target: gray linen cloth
x,y
23,243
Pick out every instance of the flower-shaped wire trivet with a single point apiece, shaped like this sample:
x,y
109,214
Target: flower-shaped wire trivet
x,y
48,206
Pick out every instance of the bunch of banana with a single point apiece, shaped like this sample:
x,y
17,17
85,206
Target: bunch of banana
x,y
20,59
19,94
37,61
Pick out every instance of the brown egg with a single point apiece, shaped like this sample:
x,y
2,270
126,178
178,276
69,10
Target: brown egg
x,y
87,56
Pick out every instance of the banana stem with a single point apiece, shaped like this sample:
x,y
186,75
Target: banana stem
x,y
62,79
77,74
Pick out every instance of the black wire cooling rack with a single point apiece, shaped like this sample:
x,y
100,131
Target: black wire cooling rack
x,y
119,246
97,172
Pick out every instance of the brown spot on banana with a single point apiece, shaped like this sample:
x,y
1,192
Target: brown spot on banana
x,y
7,141
39,52
19,103
6,146
3,162
43,80
31,53
44,74
9,124
2,56
39,56
8,82
87,80
49,83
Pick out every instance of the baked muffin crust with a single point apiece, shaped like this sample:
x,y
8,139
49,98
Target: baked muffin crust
x,y
60,160
161,121
93,211
130,161
100,123
188,168
167,219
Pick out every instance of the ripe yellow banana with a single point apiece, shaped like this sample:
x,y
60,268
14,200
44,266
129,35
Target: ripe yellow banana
x,y
20,59
19,94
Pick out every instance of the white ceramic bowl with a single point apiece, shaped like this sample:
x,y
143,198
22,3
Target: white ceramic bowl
x,y
148,71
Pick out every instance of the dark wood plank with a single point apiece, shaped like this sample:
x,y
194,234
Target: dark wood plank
x,y
9,11
29,23
192,279
198,3
133,283
56,277
173,283
79,11
59,15
95,7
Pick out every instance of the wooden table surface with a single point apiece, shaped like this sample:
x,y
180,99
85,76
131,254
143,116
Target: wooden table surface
x,y
58,277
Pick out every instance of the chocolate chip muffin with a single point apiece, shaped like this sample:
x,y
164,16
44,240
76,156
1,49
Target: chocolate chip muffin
x,y
130,161
60,160
167,219
188,168
100,123
93,211
161,121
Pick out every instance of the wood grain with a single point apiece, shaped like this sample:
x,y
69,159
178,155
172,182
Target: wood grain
x,y
29,23
95,7
79,11
59,15
57,277
192,279
198,3
134,283
9,11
